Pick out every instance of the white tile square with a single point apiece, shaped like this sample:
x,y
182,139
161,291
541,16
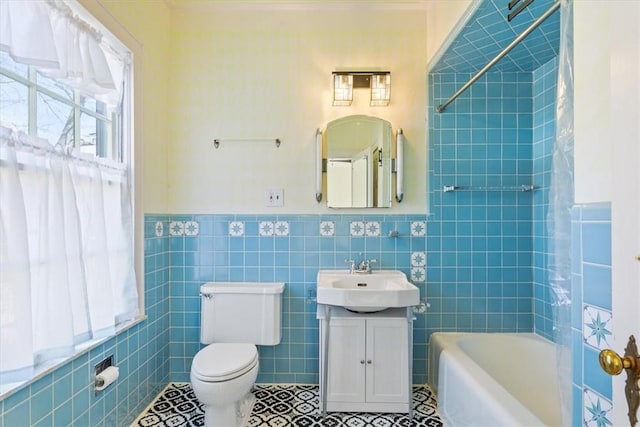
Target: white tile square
x,y
372,228
236,228
418,228
176,228
418,259
327,228
281,228
266,228
356,228
596,326
191,228
595,410
418,274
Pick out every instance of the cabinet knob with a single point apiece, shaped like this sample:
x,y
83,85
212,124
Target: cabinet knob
x,y
368,362
362,362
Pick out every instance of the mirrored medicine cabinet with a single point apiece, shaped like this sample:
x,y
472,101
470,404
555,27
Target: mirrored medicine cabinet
x,y
359,164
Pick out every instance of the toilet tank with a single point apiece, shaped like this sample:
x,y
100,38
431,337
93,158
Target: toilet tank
x,y
241,312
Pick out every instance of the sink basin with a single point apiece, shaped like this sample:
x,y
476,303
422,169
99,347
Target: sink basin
x,y
365,292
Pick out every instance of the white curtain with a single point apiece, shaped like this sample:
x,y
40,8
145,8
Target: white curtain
x,y
48,35
66,258
66,227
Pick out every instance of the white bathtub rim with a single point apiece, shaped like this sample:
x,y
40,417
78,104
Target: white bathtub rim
x,y
510,412
438,341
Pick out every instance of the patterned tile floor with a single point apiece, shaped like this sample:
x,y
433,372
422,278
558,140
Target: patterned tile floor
x,y
283,405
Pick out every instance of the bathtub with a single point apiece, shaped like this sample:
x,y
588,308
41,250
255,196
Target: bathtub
x,y
494,379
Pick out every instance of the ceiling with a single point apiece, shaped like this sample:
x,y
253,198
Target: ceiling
x,y
487,32
299,4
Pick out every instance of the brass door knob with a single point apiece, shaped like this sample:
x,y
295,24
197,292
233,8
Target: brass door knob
x,y
612,363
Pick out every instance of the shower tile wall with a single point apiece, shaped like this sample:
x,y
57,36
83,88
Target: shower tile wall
x,y
291,249
66,397
486,250
479,243
544,108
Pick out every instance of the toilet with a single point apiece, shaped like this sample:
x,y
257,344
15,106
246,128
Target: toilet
x,y
235,317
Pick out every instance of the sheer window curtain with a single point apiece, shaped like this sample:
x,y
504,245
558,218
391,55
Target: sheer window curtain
x,y
66,226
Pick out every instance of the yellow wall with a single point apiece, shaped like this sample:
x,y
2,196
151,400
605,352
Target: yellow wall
x,y
255,71
148,23
239,70
442,18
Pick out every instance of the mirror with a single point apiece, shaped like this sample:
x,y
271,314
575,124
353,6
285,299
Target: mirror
x,y
359,162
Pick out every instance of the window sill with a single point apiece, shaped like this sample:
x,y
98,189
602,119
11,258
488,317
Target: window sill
x,y
44,369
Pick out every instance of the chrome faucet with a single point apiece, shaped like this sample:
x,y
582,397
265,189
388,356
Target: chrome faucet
x,y
364,266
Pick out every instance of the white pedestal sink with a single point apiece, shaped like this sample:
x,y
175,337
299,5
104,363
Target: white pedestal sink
x,y
366,292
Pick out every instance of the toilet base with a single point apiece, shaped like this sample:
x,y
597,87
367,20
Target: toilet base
x,y
234,415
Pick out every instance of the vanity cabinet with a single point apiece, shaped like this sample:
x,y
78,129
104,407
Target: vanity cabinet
x,y
367,361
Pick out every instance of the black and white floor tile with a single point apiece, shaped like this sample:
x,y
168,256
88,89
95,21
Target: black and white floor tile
x,y
284,405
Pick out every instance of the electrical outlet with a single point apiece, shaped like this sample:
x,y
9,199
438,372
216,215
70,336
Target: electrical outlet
x,y
274,197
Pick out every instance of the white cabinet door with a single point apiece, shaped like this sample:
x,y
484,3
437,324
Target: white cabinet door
x,y
387,361
346,367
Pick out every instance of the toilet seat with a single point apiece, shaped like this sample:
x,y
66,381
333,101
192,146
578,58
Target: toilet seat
x,y
224,361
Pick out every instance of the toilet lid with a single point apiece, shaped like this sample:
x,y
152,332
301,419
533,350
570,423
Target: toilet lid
x,y
224,361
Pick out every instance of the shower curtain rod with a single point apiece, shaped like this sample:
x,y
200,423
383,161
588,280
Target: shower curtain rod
x,y
440,108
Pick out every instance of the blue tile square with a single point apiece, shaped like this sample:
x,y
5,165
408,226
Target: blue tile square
x,y
594,376
596,285
596,242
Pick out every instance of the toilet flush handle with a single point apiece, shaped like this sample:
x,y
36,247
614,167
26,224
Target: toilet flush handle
x,y
206,296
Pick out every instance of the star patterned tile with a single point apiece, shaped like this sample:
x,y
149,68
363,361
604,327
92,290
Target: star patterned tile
x,y
266,228
372,228
596,329
281,228
327,228
418,274
236,228
356,228
418,228
596,410
418,259
176,228
191,228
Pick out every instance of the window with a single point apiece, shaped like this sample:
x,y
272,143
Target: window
x,y
53,110
66,226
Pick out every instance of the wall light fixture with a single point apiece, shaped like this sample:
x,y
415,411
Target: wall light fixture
x,y
378,82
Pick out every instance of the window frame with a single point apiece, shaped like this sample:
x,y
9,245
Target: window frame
x,y
115,144
130,154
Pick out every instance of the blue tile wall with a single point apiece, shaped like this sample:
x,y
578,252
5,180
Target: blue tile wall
x,y
544,109
487,249
487,33
66,397
479,243
591,312
266,250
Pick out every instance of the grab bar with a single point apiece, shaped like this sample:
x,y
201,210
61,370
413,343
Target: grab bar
x,y
522,188
217,141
